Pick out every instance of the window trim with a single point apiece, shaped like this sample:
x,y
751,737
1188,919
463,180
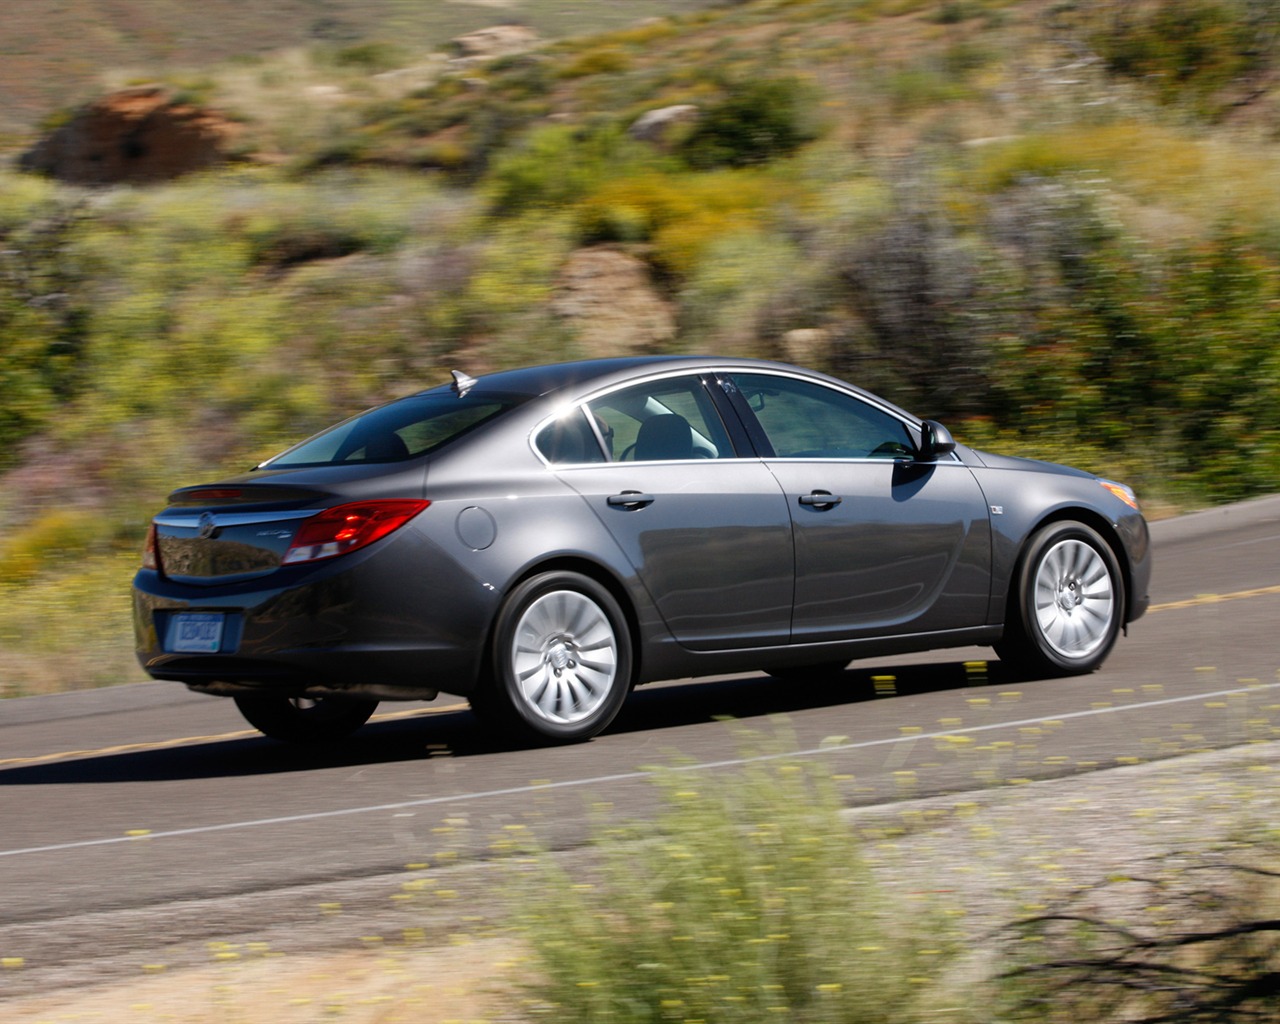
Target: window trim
x,y
707,378
764,447
746,434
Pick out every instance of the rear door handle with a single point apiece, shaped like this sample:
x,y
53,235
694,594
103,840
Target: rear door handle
x,y
630,500
821,500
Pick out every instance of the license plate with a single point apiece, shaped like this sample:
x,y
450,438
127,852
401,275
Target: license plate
x,y
195,632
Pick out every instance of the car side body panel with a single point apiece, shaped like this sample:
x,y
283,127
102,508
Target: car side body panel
x,y
907,549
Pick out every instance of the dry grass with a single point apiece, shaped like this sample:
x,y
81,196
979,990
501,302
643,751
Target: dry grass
x,y
51,63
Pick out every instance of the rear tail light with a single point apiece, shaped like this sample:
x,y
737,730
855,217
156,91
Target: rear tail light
x,y
345,528
151,550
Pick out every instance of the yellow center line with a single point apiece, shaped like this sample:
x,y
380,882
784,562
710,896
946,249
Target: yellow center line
x,y
239,734
1203,599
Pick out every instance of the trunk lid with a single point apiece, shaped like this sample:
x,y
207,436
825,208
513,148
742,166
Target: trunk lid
x,y
228,533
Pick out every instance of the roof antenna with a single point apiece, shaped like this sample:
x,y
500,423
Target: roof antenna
x,y
461,382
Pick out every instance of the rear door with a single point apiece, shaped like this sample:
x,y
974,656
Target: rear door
x,y
707,531
884,545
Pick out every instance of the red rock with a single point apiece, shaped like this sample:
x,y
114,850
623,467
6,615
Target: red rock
x,y
133,136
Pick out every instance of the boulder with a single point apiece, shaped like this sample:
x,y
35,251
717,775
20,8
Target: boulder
x,y
133,136
656,125
608,299
495,41
807,346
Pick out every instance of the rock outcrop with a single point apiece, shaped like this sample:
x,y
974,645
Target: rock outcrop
x,y
495,41
608,298
133,136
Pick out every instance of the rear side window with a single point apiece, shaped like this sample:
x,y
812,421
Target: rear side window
x,y
662,420
571,439
413,426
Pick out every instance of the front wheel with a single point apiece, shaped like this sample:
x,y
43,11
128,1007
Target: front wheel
x,y
1067,605
560,660
304,719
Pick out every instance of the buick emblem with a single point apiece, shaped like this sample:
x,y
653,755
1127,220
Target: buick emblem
x,y
208,526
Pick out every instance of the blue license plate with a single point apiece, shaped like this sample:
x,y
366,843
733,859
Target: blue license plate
x,y
195,632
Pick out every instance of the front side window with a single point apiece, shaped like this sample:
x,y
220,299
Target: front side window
x,y
804,420
661,420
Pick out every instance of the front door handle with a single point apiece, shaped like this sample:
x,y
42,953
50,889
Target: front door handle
x,y
630,500
821,500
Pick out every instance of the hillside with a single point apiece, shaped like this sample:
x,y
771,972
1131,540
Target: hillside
x,y
1055,226
58,53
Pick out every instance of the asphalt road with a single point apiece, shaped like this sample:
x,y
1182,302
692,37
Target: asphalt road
x,y
118,806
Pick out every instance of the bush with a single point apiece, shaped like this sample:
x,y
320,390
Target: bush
x,y
368,57
1188,49
558,165
679,214
747,901
604,60
44,309
917,283
758,121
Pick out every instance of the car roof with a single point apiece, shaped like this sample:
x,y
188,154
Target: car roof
x,y
542,380
536,381
539,381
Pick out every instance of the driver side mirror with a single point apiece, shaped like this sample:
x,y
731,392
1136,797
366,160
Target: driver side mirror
x,y
935,442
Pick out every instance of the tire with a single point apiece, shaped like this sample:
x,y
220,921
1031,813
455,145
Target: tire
x,y
560,661
303,719
1067,604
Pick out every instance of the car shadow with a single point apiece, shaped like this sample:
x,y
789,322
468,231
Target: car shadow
x,y
688,703
458,734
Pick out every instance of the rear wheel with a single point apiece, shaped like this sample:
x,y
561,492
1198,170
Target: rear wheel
x,y
561,660
1067,605
304,719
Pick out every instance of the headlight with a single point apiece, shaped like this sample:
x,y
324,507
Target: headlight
x,y
1122,492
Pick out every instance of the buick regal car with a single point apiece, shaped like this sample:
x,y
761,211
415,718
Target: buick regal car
x,y
539,541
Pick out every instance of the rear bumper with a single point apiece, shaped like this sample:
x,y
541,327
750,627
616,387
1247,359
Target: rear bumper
x,y
369,626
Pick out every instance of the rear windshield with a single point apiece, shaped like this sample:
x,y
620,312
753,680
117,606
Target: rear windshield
x,y
413,426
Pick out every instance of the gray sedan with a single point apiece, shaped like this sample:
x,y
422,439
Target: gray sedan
x,y
541,540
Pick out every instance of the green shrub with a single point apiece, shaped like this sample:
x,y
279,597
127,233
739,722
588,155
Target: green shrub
x,y
679,214
748,900
758,121
57,536
558,165
1187,49
604,60
369,57
44,307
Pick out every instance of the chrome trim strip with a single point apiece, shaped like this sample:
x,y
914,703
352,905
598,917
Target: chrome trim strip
x,y
224,519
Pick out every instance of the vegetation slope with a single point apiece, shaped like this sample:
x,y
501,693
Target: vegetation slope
x,y
1054,224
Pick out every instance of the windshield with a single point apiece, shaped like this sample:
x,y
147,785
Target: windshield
x,y
405,429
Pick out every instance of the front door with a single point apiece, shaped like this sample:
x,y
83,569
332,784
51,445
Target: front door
x,y
883,544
